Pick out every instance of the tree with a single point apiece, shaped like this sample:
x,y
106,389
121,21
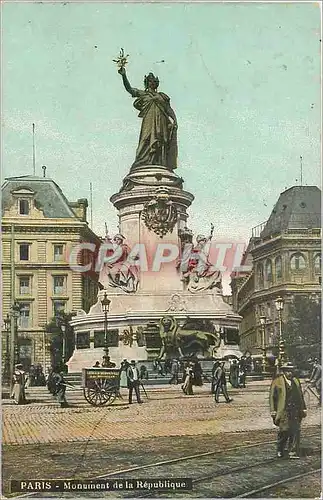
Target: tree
x,y
54,328
302,331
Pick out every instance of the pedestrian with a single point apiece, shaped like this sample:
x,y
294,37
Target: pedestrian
x,y
220,383
287,409
242,372
316,377
174,372
50,381
197,373
234,374
159,367
60,386
19,383
107,363
41,379
213,381
143,372
123,373
187,386
31,376
133,378
167,366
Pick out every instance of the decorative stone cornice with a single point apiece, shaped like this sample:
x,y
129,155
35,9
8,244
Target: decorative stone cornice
x,y
6,228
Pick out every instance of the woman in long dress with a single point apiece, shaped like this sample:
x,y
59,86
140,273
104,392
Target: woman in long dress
x,y
123,374
187,386
158,135
19,383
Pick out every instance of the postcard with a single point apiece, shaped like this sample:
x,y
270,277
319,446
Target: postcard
x,y
161,249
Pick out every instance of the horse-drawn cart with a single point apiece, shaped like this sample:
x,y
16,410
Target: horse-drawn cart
x,y
101,386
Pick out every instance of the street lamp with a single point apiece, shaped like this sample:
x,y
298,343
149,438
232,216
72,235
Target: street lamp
x,y
105,306
263,321
14,347
61,324
16,314
7,324
63,328
279,303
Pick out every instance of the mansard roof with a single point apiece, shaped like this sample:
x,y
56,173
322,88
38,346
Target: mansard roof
x,y
299,207
48,195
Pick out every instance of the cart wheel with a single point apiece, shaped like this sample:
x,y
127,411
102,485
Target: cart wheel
x,y
102,392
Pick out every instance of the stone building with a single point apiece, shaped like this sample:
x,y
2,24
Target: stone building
x,y
285,255
39,229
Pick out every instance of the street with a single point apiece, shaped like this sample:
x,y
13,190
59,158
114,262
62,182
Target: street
x,y
167,426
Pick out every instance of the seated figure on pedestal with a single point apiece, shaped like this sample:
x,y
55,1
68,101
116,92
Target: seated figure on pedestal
x,y
120,271
198,273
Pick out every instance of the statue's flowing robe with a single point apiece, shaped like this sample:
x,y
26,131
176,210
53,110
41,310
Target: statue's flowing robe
x,y
158,137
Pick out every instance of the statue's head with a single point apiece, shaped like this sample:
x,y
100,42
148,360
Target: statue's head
x,y
201,239
166,322
151,81
118,239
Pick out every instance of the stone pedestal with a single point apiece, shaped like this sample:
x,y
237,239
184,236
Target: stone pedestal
x,y
159,292
138,189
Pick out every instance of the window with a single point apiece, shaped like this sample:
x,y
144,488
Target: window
x,y
24,251
317,264
23,207
59,285
269,274
278,267
24,285
260,275
297,262
58,306
58,252
24,320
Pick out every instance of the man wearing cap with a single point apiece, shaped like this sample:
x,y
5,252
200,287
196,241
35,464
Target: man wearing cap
x,y
133,378
287,409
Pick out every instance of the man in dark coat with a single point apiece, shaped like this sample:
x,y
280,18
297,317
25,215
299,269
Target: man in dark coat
x,y
60,386
287,409
242,371
234,374
220,383
133,378
50,381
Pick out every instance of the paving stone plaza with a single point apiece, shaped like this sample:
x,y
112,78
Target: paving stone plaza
x,y
167,412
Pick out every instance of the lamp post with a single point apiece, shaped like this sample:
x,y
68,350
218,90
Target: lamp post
x,y
14,347
263,321
61,324
6,373
63,328
279,303
105,306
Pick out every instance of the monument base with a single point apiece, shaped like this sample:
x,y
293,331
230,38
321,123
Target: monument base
x,y
131,312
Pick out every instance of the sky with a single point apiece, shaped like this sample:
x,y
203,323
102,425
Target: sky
x,y
243,78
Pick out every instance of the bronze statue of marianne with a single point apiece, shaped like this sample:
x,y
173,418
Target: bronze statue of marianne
x,y
158,135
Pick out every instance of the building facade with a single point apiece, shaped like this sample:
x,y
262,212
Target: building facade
x,y
40,228
285,256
